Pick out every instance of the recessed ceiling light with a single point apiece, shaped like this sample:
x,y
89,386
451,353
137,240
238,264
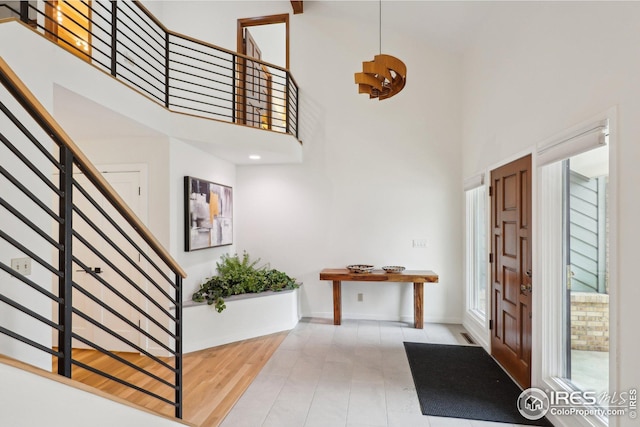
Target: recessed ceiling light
x,y
254,157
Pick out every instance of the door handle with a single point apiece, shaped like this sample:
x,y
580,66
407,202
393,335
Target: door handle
x,y
525,288
96,270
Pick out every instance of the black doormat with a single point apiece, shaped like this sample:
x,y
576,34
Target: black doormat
x,y
464,382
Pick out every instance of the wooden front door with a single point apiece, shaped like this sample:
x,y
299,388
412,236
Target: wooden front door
x,y
511,268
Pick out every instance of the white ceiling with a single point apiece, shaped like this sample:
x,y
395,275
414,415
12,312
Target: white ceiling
x,y
448,25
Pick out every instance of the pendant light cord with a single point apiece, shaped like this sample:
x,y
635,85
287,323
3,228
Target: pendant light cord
x,y
380,24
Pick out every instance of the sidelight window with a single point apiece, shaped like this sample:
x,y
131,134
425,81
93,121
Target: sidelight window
x,y
476,249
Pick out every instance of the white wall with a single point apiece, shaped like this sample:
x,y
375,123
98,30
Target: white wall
x,y
32,400
186,160
537,69
135,150
375,174
212,21
11,318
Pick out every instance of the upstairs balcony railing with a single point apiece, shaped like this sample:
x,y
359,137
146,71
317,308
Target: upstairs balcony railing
x,y
82,280
184,74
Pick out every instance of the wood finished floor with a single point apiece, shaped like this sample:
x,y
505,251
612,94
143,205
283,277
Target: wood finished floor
x,y
213,379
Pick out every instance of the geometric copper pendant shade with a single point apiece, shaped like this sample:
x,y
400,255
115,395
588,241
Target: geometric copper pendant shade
x,y
382,78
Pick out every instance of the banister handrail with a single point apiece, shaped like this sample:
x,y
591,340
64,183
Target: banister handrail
x,y
41,115
230,52
151,15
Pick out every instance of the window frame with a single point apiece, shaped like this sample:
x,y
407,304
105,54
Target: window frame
x,y
476,258
548,337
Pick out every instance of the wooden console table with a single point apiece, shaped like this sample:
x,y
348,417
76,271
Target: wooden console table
x,y
339,275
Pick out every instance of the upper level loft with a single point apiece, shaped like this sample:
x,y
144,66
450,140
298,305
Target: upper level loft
x,y
197,88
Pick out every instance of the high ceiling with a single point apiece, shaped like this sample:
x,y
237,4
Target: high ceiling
x,y
448,25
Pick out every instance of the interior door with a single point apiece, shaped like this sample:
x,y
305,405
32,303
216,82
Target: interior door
x,y
127,185
256,83
511,284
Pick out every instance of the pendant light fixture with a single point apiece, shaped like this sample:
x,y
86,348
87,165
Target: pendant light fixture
x,y
383,77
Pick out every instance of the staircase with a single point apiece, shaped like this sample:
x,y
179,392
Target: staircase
x,y
58,218
80,274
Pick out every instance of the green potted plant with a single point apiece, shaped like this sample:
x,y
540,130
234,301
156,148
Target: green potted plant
x,y
241,275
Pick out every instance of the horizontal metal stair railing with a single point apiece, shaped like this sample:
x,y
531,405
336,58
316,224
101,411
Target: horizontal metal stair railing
x,y
60,217
182,73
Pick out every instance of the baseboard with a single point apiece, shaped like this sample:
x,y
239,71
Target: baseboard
x,y
454,320
218,340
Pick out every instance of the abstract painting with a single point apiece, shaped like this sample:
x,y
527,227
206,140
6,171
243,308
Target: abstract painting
x,y
208,214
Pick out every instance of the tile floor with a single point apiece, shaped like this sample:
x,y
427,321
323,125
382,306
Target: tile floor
x,y
353,375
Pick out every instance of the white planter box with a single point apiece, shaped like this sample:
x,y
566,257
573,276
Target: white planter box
x,y
246,316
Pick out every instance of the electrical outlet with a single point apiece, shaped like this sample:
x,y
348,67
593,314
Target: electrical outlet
x,y
360,297
419,243
22,265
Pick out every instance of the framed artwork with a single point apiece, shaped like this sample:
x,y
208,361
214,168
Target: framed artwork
x,y
208,214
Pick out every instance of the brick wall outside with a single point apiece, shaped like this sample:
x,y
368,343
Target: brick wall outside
x,y
589,321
